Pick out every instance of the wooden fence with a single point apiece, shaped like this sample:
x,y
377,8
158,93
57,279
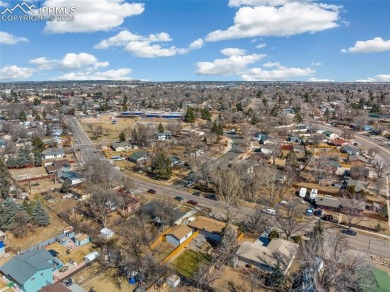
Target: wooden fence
x,y
175,252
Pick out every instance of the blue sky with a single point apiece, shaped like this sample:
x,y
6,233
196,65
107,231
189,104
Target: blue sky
x,y
174,40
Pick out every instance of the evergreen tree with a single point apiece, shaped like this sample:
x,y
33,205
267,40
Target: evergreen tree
x,y
44,114
9,209
292,159
190,115
239,106
160,128
162,166
39,214
5,180
205,114
22,116
122,137
214,129
298,117
37,144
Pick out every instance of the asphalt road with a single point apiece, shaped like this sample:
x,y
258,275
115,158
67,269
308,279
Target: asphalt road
x,y
360,242
366,141
367,244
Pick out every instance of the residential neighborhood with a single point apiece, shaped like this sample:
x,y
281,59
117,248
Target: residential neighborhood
x,y
181,186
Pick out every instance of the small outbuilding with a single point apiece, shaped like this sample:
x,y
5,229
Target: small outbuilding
x,y
89,258
106,233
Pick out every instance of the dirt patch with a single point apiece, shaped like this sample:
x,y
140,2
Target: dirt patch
x,y
232,280
104,282
77,255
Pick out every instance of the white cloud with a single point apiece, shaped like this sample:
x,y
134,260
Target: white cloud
x,y
316,63
238,3
70,61
118,74
371,46
43,63
76,61
287,19
3,4
235,64
377,78
15,72
145,46
10,39
91,16
319,80
271,64
260,46
233,52
279,73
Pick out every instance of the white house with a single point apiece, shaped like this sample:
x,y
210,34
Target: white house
x,y
53,153
178,234
106,233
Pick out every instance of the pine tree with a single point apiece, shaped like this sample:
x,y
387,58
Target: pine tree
x,y
39,215
22,116
190,115
122,137
292,159
162,166
9,210
160,128
5,180
239,106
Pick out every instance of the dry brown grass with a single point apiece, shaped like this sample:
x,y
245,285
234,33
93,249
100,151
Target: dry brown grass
x,y
77,255
37,234
104,282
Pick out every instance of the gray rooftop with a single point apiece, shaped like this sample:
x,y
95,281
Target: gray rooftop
x,y
23,267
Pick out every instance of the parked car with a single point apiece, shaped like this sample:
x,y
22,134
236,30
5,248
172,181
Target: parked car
x,y
196,194
329,218
211,197
180,199
269,211
318,212
151,191
349,232
192,202
68,282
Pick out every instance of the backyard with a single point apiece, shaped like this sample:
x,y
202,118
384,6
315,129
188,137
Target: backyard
x,y
188,262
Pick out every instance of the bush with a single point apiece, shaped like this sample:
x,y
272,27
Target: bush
x,y
203,188
273,234
297,239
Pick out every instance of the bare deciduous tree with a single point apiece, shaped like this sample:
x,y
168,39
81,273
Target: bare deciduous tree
x,y
289,218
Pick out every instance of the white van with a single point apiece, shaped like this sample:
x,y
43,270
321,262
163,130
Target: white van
x,y
302,192
313,194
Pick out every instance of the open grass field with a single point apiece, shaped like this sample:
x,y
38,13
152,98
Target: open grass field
x,y
187,263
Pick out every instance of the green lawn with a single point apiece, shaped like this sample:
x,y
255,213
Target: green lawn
x,y
187,263
382,280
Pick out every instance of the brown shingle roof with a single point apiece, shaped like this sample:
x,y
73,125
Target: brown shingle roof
x,y
179,231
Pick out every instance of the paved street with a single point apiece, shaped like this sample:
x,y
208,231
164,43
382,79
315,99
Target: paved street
x,y
363,243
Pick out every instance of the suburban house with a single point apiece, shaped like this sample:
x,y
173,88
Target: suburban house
x,y
178,234
176,161
81,239
74,177
359,172
338,142
53,153
267,256
57,166
31,271
210,228
336,204
138,157
357,160
132,204
266,149
349,150
294,139
330,135
56,287
163,136
358,185
120,146
195,152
